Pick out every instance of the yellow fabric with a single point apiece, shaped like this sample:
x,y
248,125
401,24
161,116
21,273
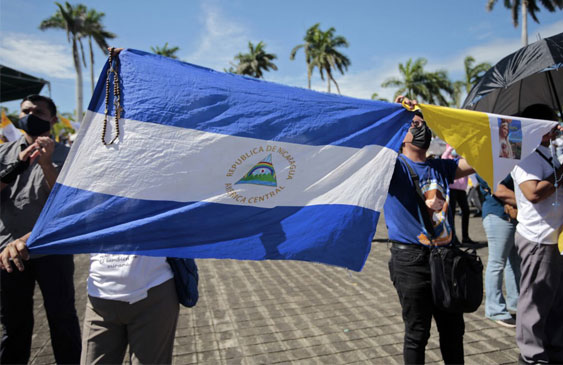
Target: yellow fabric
x,y
65,122
467,131
5,120
560,242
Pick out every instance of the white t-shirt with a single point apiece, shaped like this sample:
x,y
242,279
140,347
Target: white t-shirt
x,y
540,222
126,278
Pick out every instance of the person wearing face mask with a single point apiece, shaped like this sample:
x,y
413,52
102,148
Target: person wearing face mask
x,y
29,168
538,188
409,264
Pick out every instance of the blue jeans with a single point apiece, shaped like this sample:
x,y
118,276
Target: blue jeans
x,y
503,257
410,273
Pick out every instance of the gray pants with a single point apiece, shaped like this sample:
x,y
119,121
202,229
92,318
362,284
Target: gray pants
x,y
539,323
147,326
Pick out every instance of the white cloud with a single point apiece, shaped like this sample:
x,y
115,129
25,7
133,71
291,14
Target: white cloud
x,y
221,40
547,31
364,83
36,56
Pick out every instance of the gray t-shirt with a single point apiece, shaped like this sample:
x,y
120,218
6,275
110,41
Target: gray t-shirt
x,y
21,202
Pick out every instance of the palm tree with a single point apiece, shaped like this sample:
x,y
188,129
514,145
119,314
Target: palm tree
x,y
255,61
93,29
437,83
312,36
421,85
375,96
472,76
71,18
321,52
165,51
527,6
328,58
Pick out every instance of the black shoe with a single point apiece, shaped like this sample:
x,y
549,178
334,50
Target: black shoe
x,y
521,361
468,241
509,322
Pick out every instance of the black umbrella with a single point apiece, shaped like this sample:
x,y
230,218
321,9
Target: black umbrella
x,y
531,75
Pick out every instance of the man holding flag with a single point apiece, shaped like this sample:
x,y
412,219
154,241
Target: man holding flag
x,y
409,266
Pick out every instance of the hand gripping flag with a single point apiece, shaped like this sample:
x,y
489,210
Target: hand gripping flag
x,y
215,165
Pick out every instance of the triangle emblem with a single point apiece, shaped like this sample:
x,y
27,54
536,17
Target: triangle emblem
x,y
262,173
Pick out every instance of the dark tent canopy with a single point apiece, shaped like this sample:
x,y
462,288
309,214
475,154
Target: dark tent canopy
x,y
15,85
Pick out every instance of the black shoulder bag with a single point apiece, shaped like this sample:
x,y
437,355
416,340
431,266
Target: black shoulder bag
x,y
456,274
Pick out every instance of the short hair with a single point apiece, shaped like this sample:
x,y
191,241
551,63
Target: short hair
x,y
539,111
419,113
34,98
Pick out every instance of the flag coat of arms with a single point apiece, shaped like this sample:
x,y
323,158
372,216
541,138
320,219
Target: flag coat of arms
x,y
215,165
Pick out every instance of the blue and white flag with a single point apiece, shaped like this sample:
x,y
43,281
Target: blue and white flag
x,y
216,165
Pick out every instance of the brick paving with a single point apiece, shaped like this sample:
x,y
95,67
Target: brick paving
x,y
295,312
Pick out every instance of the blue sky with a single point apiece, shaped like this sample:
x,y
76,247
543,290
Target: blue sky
x,y
209,33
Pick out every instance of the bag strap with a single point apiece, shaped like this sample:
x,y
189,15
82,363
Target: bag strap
x,y
549,160
421,205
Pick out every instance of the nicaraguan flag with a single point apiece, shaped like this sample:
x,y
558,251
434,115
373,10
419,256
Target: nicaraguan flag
x,y
215,165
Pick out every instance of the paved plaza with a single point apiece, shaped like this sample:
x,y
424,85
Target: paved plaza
x,y
296,312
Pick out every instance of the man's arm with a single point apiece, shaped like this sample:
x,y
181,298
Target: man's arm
x,y
25,159
537,190
15,251
463,169
505,195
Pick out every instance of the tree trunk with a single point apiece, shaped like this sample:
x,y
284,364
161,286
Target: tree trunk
x,y
335,83
328,82
91,63
524,23
78,69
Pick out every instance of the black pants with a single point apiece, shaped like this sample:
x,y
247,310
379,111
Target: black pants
x,y
410,273
460,197
54,274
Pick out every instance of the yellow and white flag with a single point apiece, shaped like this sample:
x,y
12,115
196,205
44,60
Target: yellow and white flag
x,y
68,123
493,144
8,129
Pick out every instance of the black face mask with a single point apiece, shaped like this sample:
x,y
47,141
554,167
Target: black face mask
x,y
421,136
34,126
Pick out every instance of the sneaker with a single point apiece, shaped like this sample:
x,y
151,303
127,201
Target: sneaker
x,y
509,322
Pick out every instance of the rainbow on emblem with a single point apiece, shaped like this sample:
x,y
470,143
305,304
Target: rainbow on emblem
x,y
262,173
